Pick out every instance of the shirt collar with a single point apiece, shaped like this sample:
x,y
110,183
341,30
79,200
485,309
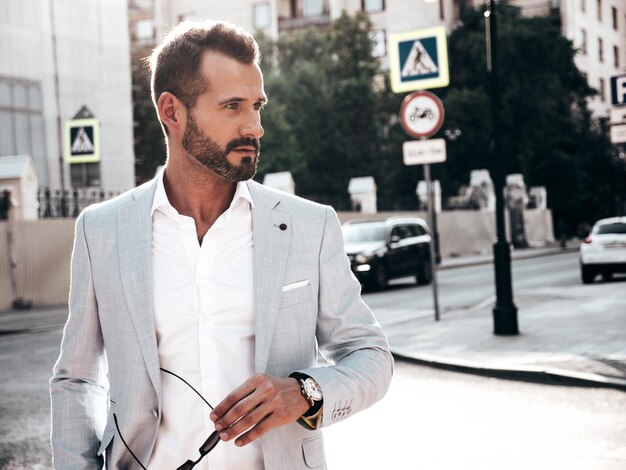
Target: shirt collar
x,y
162,203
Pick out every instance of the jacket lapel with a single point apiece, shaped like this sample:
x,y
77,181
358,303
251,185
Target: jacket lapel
x,y
272,237
135,260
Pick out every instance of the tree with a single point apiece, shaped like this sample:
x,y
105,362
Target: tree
x,y
547,132
322,80
148,137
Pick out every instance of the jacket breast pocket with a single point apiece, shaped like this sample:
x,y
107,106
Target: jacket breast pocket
x,y
296,296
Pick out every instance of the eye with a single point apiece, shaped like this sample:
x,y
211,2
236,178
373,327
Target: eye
x,y
260,106
233,106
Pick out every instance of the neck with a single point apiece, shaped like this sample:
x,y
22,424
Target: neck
x,y
195,191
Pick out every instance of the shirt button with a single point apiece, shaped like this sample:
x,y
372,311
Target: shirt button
x,y
155,412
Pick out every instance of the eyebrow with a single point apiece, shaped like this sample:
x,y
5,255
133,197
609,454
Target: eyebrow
x,y
236,99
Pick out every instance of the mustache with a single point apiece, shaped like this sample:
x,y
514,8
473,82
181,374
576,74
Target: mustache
x,y
244,142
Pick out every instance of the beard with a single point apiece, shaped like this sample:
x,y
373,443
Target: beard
x,y
209,153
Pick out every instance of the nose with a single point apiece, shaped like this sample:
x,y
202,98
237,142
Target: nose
x,y
252,126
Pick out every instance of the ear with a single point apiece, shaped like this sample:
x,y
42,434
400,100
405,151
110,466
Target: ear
x,y
172,112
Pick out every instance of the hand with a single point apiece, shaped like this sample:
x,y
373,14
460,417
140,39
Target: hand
x,y
261,403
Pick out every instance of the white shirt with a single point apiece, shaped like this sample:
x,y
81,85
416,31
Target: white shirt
x,y
205,327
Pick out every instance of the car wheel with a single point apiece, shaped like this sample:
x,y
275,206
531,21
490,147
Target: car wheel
x,y
380,280
587,274
425,276
606,277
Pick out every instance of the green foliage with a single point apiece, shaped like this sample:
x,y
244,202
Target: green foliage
x,y
149,141
546,129
322,80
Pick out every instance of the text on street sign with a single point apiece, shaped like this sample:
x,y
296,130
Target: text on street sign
x,y
421,152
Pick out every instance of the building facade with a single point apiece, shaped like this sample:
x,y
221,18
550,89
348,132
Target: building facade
x,y
597,28
58,57
151,19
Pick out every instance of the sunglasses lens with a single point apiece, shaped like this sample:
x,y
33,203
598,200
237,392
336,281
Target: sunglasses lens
x,y
210,443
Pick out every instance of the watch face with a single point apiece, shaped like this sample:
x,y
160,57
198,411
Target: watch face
x,y
312,389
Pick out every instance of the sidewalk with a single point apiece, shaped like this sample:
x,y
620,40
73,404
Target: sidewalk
x,y
568,335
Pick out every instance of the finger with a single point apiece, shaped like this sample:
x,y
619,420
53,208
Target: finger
x,y
255,432
233,398
252,418
240,409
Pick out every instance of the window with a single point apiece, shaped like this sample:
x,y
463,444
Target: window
x,y
599,6
85,175
373,6
261,15
602,90
313,8
583,41
600,50
614,16
379,46
22,128
615,57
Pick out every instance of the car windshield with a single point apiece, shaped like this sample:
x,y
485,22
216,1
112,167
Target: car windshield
x,y
616,227
363,233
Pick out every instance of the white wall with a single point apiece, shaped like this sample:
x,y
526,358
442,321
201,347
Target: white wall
x,y
93,69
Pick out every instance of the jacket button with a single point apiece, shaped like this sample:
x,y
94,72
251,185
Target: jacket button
x,y
155,412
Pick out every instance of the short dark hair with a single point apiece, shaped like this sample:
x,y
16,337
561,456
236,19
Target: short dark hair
x,y
174,64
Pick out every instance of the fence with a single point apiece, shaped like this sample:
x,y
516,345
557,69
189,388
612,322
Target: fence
x,y
61,204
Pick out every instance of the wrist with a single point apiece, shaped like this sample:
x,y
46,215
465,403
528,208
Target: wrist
x,y
312,393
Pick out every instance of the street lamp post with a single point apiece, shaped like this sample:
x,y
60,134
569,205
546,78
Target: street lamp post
x,y
504,311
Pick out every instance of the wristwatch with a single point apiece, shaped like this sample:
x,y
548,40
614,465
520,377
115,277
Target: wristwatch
x,y
312,391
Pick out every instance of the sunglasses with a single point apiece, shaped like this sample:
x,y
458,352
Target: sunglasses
x,y
205,448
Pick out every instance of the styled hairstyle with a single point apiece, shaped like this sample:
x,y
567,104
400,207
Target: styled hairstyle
x,y
175,63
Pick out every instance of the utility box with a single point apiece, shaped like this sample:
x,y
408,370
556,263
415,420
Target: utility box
x,y
422,194
363,194
18,176
282,181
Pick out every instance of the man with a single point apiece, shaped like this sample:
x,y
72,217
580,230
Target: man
x,y
203,278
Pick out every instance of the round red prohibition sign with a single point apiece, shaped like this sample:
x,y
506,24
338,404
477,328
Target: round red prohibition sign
x,y
421,114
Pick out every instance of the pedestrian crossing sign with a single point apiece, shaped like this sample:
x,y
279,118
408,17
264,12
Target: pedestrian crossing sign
x,y
82,140
418,60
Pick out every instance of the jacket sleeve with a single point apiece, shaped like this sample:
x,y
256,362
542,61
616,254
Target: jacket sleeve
x,y
348,335
78,387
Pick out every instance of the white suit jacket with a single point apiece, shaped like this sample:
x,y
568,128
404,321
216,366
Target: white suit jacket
x,y
109,360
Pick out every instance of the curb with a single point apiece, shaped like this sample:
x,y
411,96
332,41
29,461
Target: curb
x,y
522,255
529,373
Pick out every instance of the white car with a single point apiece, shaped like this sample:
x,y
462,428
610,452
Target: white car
x,y
604,250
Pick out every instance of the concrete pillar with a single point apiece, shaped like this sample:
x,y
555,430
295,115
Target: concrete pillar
x,y
422,194
363,194
481,192
282,181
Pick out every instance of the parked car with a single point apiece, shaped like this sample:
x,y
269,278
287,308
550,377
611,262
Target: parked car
x,y
392,248
604,250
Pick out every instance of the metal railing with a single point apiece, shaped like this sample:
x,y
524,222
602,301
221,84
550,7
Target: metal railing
x,y
61,204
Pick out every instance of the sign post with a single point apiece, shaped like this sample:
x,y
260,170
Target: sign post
x,y
421,116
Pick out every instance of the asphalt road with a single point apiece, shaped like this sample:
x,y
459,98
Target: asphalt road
x,y
471,287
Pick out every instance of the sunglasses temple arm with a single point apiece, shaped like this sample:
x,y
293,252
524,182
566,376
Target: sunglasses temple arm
x,y
188,384
124,442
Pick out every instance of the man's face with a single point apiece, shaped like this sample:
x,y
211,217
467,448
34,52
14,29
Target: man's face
x,y
224,128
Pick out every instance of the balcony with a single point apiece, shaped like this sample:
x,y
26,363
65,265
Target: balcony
x,y
301,22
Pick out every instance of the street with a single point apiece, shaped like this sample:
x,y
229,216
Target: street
x,y
431,419
470,287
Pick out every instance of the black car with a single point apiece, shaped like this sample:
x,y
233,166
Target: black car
x,y
388,249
